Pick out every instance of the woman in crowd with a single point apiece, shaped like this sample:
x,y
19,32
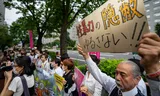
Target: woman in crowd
x,y
14,87
69,85
90,86
56,67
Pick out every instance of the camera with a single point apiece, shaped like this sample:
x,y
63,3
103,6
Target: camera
x,y
5,68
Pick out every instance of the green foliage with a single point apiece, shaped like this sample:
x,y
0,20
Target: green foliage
x,y
76,63
82,68
5,37
69,48
19,31
108,66
157,29
52,54
74,48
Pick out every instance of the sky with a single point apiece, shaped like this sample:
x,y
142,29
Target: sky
x,y
11,16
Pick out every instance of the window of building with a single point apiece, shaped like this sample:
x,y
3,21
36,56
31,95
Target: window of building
x,y
148,16
157,14
147,10
156,8
156,2
147,5
157,20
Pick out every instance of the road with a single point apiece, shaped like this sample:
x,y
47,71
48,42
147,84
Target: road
x,y
76,56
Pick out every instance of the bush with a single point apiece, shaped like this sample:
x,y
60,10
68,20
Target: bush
x,y
82,68
108,66
69,48
76,63
52,54
74,48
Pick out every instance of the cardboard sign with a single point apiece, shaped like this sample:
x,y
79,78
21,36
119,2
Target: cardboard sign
x,y
116,26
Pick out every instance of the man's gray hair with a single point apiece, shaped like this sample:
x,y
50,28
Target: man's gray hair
x,y
135,68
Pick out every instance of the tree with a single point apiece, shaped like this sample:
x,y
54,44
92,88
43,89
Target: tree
x,y
5,38
54,15
68,11
157,29
19,31
37,13
70,42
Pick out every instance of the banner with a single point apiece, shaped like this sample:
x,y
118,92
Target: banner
x,y
78,79
116,26
95,53
46,85
31,38
59,81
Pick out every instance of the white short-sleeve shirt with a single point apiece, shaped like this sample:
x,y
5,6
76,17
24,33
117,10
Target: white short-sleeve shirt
x,y
17,87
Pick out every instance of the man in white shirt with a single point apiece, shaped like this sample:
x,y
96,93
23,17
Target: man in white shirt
x,y
127,77
56,67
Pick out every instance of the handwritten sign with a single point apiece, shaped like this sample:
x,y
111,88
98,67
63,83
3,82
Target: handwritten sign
x,y
59,81
116,26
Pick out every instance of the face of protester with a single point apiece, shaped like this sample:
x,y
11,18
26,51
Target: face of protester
x,y
43,58
124,77
17,69
65,68
53,64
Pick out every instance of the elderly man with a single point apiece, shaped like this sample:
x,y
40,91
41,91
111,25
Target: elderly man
x,y
128,73
127,77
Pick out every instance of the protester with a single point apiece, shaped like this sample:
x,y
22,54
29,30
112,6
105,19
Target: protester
x,y
58,55
45,64
90,86
126,72
14,87
23,52
56,67
69,85
149,50
32,55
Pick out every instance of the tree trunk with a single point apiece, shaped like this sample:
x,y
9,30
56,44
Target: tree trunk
x,y
39,41
63,42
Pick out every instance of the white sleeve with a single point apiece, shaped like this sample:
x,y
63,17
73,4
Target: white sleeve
x,y
106,81
14,84
98,89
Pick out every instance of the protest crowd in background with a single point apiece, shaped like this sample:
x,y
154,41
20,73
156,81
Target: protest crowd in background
x,y
18,65
36,73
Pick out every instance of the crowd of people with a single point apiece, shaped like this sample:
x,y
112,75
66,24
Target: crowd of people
x,y
17,72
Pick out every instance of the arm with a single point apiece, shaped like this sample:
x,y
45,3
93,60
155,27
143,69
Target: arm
x,y
5,91
149,50
106,81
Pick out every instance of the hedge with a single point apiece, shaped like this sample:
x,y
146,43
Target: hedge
x,y
107,66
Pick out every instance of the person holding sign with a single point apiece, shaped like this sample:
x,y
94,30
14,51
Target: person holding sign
x,y
90,86
69,85
149,50
127,77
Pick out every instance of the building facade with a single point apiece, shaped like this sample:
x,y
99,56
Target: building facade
x,y
153,13
2,12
